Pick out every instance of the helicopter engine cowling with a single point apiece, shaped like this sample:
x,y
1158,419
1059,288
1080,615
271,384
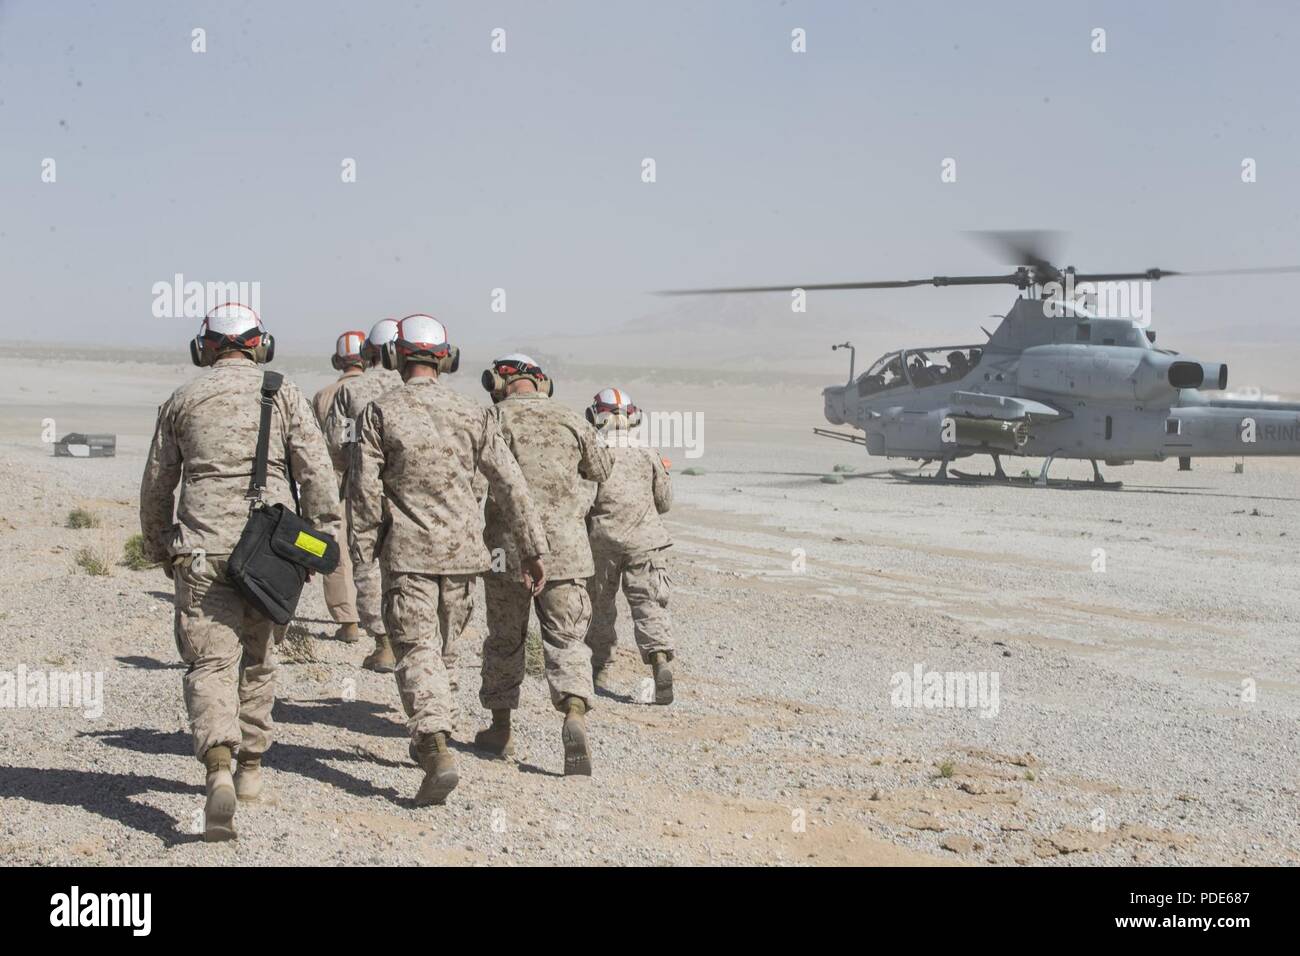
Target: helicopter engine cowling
x,y
1115,373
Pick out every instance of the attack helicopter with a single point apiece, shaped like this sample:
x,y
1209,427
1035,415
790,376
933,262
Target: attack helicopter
x,y
1069,373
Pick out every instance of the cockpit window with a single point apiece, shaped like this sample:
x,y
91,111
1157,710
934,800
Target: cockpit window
x,y
886,373
920,368
943,365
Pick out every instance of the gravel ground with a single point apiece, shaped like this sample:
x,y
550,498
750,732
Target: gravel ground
x,y
1146,713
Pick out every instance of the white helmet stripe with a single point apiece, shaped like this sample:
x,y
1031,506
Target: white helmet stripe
x,y
519,357
422,329
385,330
231,318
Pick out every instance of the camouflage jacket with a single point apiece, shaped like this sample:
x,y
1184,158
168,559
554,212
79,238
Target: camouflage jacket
x,y
560,455
205,440
342,421
624,518
419,448
320,404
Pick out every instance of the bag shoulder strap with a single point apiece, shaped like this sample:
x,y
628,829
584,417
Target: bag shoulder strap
x,y
271,382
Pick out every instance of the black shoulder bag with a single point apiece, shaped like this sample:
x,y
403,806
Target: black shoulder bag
x,y
277,548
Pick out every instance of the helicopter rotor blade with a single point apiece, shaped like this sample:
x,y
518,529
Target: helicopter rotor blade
x,y
1257,271
1021,279
1149,274
1027,249
1154,274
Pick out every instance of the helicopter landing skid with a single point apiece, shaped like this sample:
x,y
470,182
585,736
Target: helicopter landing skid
x,y
1030,482
942,476
955,477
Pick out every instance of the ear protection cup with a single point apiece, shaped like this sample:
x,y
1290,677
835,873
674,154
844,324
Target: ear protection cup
x,y
389,356
265,352
550,388
492,381
450,362
634,419
196,351
591,418
336,362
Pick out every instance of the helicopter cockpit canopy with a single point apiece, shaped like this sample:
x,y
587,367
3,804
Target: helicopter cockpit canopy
x,y
943,364
919,368
885,373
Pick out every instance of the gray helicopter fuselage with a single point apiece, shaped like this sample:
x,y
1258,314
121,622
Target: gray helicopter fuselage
x,y
1057,386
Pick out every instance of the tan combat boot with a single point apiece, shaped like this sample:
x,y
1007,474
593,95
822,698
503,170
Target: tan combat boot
x,y
381,659
602,675
439,765
495,739
348,633
219,811
663,677
248,779
577,755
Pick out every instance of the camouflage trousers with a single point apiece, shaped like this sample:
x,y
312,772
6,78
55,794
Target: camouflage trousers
x,y
340,590
425,613
645,582
227,645
369,582
563,613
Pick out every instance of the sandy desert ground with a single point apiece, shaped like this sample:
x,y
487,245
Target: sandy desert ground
x,y
1147,713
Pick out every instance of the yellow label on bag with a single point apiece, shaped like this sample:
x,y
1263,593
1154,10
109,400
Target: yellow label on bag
x,y
312,545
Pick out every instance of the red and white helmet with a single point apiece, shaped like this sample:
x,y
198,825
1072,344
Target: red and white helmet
x,y
347,350
612,402
421,338
231,327
381,333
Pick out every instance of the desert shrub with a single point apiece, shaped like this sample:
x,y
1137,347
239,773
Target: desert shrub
x,y
133,554
81,518
92,562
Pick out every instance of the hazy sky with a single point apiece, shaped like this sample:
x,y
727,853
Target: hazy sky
x,y
522,170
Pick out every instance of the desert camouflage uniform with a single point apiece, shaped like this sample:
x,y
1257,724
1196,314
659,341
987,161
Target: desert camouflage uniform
x,y
419,447
628,542
205,439
340,591
556,451
342,428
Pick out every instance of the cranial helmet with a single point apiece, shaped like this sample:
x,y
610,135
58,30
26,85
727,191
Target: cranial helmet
x,y
231,327
347,350
514,366
422,339
383,332
611,404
